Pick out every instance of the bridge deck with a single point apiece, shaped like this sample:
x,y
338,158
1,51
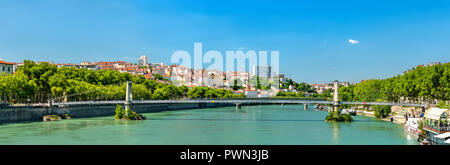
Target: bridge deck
x,y
237,101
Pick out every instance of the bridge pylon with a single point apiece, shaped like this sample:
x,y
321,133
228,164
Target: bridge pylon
x,y
336,96
65,97
129,96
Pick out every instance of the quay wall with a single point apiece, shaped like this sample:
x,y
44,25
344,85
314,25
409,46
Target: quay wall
x,y
10,114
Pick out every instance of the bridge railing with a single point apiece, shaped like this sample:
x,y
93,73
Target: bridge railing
x,y
381,103
90,102
231,101
234,101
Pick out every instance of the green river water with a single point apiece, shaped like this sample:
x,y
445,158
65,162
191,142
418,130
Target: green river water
x,y
260,125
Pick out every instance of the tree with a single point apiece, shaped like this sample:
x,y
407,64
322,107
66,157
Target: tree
x,y
289,94
167,92
126,114
236,85
336,116
196,92
141,92
184,89
382,111
346,93
158,77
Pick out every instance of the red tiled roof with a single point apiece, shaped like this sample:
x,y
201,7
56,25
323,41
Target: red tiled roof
x,y
4,62
65,64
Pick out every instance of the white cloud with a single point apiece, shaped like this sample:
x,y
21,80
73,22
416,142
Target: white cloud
x,y
353,41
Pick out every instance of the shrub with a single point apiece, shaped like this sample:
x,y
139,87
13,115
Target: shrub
x,y
337,116
444,105
120,112
382,111
128,114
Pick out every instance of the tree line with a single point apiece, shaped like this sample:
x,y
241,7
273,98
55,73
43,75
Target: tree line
x,y
422,84
37,83
300,87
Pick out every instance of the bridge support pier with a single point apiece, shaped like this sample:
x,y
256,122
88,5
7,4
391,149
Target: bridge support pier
x,y
305,106
65,97
238,106
128,97
336,96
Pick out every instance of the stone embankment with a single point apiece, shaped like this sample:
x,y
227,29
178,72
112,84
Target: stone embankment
x,y
37,113
398,114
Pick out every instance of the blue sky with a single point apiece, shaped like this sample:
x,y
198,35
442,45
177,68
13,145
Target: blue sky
x,y
312,36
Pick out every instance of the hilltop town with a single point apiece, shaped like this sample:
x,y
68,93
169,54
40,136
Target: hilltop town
x,y
259,82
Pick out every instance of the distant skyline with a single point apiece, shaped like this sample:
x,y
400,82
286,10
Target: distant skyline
x,y
319,41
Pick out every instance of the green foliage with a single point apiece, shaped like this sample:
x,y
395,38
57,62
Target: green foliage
x,y
17,87
304,87
159,77
258,83
368,90
207,92
167,92
261,82
423,83
326,95
39,82
338,117
236,85
421,127
443,105
381,111
141,92
184,89
54,117
347,93
290,94
122,114
301,87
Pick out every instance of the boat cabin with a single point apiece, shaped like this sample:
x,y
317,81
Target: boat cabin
x,y
435,122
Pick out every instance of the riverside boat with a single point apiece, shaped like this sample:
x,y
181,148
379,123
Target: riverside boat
x,y
436,126
412,126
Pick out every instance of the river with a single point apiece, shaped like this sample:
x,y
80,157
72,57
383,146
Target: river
x,y
259,125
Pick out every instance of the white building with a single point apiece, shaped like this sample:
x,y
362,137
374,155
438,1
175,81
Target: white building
x,y
251,93
262,71
143,61
6,67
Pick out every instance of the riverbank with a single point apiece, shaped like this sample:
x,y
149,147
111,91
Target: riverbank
x,y
396,119
13,114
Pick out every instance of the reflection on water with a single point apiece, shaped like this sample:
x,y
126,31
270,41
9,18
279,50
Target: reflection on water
x,y
270,124
335,131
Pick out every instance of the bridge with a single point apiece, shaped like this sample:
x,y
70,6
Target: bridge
x,y
238,102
